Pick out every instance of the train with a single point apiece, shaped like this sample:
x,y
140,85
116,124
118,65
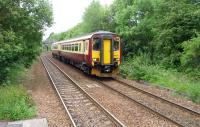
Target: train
x,y
98,53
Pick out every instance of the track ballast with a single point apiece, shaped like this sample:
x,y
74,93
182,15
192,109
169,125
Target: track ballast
x,y
82,109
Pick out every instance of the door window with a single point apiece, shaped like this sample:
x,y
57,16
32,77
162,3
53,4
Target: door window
x,y
96,44
116,45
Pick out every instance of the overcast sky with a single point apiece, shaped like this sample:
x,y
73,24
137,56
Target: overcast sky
x,y
68,13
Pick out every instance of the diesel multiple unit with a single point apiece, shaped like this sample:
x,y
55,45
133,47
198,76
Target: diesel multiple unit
x,y
97,53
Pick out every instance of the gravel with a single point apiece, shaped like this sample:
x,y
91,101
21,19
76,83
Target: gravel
x,y
128,112
164,93
172,112
45,97
83,111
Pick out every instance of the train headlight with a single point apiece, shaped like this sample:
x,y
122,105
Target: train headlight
x,y
116,59
95,59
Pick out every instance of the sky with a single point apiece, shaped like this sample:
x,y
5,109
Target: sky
x,y
68,13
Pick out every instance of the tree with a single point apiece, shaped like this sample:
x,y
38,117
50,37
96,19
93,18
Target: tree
x,y
22,23
191,57
94,18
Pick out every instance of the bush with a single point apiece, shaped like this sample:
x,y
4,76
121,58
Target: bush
x,y
190,59
141,68
15,103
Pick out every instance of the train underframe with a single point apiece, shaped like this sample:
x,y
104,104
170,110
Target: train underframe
x,y
97,69
105,70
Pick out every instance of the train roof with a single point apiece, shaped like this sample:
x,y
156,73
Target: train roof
x,y
84,37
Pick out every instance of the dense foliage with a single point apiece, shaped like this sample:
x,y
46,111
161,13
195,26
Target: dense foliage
x,y
166,30
22,23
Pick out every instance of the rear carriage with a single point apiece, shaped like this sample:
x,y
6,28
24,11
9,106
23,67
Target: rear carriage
x,y
97,53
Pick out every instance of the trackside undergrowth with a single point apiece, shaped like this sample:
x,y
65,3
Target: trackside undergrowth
x,y
15,102
139,68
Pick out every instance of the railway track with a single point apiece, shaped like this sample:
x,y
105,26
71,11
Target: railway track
x,y
82,109
179,115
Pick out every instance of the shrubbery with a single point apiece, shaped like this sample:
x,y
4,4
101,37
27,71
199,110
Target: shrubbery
x,y
190,58
141,68
21,25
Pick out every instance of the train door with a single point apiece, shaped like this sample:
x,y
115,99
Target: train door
x,y
106,51
85,49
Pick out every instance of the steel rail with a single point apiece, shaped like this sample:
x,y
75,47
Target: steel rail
x,y
139,103
160,98
111,116
66,109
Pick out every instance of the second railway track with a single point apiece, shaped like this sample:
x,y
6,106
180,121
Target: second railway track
x,y
82,109
173,112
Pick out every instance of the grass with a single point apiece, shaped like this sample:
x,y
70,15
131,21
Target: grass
x,y
15,102
140,69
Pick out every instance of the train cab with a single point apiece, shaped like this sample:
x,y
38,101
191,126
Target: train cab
x,y
106,55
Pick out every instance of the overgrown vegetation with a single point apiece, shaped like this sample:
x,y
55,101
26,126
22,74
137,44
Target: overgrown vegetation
x,y
15,103
22,23
164,32
141,68
21,29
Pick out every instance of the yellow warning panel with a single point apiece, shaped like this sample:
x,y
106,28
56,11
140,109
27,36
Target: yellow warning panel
x,y
106,51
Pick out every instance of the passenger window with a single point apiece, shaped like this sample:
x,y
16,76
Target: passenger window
x,y
86,46
72,47
79,47
116,45
76,47
68,48
96,44
83,46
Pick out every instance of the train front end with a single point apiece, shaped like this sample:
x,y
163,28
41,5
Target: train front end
x,y
106,55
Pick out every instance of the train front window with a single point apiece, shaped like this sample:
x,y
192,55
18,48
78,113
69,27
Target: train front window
x,y
96,44
116,45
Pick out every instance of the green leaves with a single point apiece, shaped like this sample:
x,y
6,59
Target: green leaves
x,y
190,58
15,103
93,17
159,28
21,23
